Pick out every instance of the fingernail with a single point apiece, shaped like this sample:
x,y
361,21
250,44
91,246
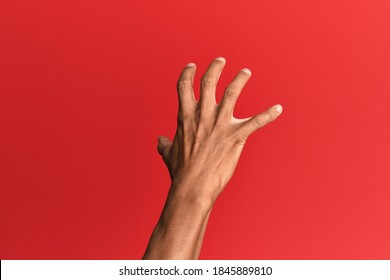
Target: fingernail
x,y
190,64
278,108
220,58
246,70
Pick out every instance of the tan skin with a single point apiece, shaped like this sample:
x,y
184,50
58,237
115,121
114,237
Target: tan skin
x,y
201,159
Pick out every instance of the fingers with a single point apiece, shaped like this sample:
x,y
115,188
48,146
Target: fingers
x,y
231,95
208,86
187,102
259,121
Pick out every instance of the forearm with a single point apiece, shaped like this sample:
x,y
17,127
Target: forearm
x,y
201,236
181,225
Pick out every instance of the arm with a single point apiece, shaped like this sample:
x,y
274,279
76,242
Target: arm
x,y
201,159
201,235
178,230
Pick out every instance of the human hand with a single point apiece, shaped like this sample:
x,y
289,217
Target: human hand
x,y
209,139
201,159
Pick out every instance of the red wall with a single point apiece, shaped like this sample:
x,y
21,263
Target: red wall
x,y
86,87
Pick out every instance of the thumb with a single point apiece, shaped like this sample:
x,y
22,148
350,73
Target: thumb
x,y
163,146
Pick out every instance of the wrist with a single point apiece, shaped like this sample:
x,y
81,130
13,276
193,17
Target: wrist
x,y
199,192
186,200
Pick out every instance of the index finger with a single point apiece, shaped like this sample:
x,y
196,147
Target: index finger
x,y
185,90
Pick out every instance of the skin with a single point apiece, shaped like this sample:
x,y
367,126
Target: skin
x,y
201,159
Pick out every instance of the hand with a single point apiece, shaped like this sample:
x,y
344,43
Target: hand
x,y
209,140
201,159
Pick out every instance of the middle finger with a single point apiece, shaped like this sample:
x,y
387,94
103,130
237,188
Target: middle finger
x,y
209,82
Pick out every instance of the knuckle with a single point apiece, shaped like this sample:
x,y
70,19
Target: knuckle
x,y
183,117
263,119
240,137
203,115
260,121
217,130
208,82
231,92
218,125
183,84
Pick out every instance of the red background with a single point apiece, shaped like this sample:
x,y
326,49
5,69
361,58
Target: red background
x,y
87,86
